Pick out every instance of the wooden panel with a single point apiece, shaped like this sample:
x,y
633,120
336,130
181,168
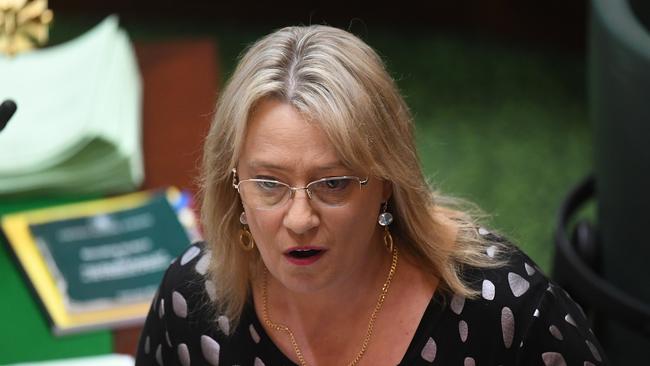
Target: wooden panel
x,y
180,91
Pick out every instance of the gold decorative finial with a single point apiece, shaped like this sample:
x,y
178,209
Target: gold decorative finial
x,y
23,25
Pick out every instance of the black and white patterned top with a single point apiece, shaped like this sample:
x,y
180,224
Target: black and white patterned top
x,y
521,318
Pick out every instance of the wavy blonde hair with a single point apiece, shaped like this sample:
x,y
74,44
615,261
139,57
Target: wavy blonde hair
x,y
337,81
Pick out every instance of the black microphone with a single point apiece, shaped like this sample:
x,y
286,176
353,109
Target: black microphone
x,y
7,110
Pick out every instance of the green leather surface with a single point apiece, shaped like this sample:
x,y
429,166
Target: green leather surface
x,y
25,334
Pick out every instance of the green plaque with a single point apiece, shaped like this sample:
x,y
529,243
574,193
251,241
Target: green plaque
x,y
119,257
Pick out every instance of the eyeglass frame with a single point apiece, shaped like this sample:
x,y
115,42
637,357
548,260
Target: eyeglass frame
x,y
292,190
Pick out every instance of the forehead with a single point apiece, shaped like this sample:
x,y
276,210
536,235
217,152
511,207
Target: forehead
x,y
279,137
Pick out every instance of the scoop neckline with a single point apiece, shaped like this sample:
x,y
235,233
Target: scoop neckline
x,y
429,320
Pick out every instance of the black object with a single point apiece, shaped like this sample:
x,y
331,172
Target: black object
x,y
7,110
619,82
575,268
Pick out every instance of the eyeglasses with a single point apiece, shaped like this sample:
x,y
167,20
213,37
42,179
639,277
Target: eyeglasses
x,y
267,194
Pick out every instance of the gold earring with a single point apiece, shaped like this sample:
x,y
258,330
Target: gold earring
x,y
246,239
388,240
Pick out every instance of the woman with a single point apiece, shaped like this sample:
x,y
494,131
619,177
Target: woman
x,y
325,245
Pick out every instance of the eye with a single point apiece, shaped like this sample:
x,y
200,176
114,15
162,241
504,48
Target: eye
x,y
336,183
268,184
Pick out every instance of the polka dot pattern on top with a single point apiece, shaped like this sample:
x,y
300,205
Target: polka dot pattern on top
x,y
518,318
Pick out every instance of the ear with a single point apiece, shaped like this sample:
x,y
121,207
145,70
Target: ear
x,y
387,190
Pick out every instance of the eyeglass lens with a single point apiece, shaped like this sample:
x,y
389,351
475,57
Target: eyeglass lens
x,y
266,194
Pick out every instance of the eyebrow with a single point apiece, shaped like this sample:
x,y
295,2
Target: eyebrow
x,y
256,164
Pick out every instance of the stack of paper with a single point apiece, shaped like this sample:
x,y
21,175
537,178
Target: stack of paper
x,y
78,123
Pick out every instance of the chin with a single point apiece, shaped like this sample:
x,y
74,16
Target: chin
x,y
301,281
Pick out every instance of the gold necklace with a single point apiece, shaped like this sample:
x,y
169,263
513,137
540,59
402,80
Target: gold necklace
x,y
371,322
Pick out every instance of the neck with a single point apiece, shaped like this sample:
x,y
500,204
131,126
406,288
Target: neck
x,y
319,330
338,304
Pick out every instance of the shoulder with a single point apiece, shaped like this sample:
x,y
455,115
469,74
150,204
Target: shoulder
x,y
182,322
515,284
525,317
506,300
185,290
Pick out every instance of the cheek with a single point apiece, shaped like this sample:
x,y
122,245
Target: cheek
x,y
353,226
263,225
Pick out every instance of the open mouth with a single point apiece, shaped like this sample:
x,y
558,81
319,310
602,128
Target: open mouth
x,y
304,253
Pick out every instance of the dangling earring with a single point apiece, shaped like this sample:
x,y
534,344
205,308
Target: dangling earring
x,y
385,219
245,237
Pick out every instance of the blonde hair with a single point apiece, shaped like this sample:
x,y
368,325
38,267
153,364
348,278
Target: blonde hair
x,y
335,80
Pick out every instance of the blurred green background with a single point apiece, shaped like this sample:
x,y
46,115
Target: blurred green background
x,y
501,121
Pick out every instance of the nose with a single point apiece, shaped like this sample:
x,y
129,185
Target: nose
x,y
300,216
